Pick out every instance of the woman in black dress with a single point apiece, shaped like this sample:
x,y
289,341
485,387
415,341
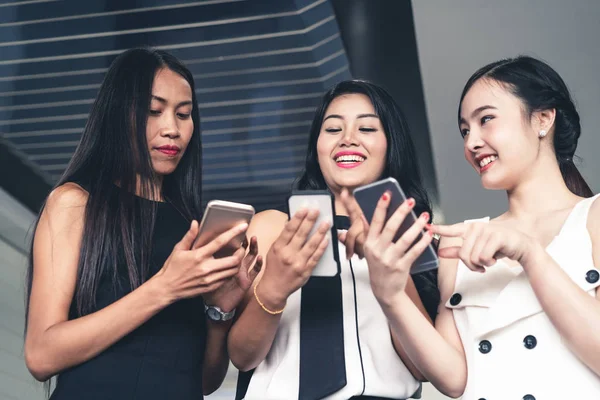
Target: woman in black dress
x,y
117,291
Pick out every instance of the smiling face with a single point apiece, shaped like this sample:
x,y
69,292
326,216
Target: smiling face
x,y
170,126
500,142
352,144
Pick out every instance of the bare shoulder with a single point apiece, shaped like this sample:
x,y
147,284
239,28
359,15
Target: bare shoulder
x,y
67,196
266,226
267,222
64,209
593,221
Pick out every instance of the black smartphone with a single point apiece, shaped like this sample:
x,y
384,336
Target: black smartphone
x,y
367,197
321,200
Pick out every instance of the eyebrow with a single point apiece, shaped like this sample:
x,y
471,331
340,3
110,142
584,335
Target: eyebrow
x,y
477,111
164,101
357,117
367,116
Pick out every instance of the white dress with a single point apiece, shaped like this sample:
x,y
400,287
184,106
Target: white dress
x,y
512,348
372,366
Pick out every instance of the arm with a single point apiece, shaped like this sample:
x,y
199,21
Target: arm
x,y
436,352
412,293
227,298
576,315
53,342
291,257
389,271
251,337
216,358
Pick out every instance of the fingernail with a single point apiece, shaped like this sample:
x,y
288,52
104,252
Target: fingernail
x,y
410,202
385,196
242,227
425,216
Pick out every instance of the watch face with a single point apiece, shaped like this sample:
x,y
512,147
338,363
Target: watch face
x,y
213,314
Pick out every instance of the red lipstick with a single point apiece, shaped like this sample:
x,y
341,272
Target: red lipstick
x,y
169,150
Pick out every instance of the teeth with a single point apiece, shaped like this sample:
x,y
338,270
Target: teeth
x,y
350,158
487,160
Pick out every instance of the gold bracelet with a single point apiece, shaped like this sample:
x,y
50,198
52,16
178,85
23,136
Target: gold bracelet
x,y
260,303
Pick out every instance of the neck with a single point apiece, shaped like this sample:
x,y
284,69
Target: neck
x,y
542,191
340,209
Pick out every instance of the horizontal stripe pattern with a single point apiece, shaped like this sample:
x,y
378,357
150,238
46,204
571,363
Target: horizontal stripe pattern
x,y
260,69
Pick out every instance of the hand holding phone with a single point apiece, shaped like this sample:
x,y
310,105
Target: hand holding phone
x,y
219,217
321,200
367,197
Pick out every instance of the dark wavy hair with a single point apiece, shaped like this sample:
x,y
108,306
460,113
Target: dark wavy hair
x,y
116,130
540,88
401,162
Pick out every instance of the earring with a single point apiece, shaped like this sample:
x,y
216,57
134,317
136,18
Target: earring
x,y
542,133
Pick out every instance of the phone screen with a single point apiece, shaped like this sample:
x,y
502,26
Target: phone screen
x,y
367,197
328,265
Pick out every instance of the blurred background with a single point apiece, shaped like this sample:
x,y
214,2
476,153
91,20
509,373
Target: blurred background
x,y
260,67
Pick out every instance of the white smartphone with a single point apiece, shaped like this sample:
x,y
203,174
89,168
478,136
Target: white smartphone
x,y
322,200
219,217
367,197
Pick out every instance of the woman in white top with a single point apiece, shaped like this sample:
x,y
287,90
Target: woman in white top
x,y
520,315
328,337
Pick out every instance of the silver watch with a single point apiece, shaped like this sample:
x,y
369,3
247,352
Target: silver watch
x,y
214,313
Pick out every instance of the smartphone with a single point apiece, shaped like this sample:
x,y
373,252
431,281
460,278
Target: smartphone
x,y
322,200
367,197
219,217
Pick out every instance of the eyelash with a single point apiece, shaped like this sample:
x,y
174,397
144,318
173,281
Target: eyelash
x,y
158,112
335,130
483,120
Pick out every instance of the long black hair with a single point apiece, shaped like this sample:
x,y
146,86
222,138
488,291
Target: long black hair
x,y
400,163
540,88
401,159
113,161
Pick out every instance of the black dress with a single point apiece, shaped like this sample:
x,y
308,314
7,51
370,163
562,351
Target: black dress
x,y
162,359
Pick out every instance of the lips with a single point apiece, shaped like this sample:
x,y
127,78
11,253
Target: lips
x,y
485,161
169,150
349,159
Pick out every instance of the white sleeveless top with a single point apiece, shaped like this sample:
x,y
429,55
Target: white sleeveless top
x,y
512,348
367,347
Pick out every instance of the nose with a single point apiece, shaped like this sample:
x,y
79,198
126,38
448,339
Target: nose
x,y
349,138
169,128
474,141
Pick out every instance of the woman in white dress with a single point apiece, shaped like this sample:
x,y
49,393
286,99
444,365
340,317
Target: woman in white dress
x,y
328,337
520,315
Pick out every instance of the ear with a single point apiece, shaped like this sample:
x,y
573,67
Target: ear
x,y
543,120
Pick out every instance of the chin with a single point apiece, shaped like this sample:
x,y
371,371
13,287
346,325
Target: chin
x,y
163,170
491,183
350,185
